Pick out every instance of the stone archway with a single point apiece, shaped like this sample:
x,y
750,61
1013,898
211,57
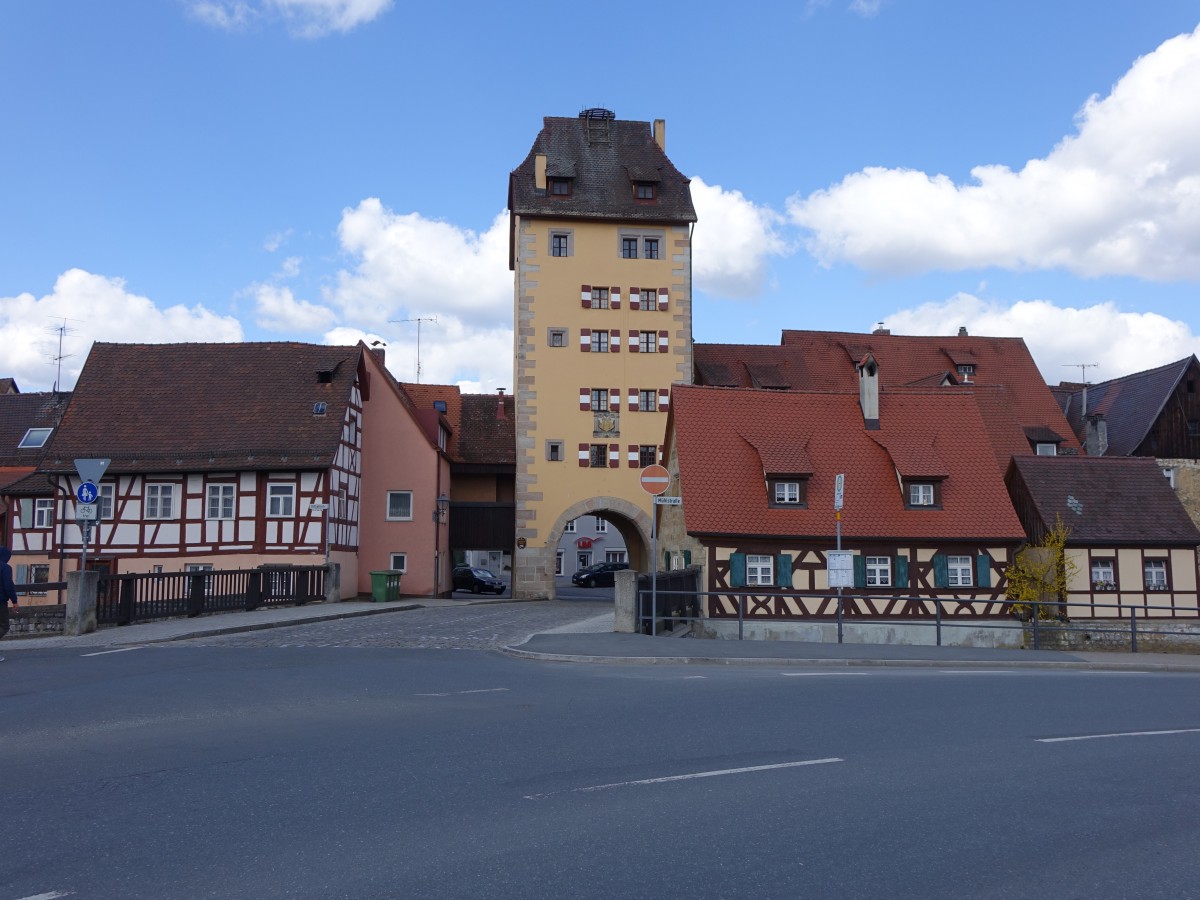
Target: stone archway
x,y
533,567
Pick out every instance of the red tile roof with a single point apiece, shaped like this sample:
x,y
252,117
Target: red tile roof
x,y
479,436
205,407
1103,500
717,431
1011,394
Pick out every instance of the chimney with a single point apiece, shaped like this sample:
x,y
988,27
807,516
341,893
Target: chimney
x,y
500,413
660,134
1095,436
379,353
962,331
868,392
879,329
1083,401
539,171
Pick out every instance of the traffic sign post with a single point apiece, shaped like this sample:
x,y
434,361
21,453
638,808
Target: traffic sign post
x,y
839,497
87,492
655,480
86,510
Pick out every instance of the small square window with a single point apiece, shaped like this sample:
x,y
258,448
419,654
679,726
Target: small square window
x,y
759,570
1103,575
644,190
1047,449
629,248
560,187
651,248
160,501
569,528
555,451
598,456
399,505
647,455
560,244
599,341
966,370
398,562
958,569
220,501
647,342
920,495
647,400
599,298
649,299
879,571
787,492
1155,573
557,337
599,399
281,501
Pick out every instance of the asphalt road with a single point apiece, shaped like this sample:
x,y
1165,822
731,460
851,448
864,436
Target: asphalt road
x,y
197,770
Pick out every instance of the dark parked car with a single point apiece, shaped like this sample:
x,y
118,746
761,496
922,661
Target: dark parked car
x,y
598,575
474,579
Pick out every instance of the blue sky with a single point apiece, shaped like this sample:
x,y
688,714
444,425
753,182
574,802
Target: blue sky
x,y
321,170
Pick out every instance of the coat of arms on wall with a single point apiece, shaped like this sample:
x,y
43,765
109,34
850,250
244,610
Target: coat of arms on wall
x,y
606,424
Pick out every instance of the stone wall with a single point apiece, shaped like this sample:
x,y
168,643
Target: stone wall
x,y
1153,636
35,621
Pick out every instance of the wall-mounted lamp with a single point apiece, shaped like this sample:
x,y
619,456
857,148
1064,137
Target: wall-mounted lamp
x,y
443,506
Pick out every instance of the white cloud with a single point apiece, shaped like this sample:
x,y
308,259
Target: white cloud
x,y
408,266
277,240
868,9
278,309
303,18
96,308
733,241
1122,196
1060,338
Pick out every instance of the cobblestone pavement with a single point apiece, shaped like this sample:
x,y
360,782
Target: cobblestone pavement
x,y
446,628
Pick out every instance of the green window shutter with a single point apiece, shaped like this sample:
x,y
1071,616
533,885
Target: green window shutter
x,y
27,513
941,572
784,578
666,560
687,557
901,571
860,571
983,570
737,570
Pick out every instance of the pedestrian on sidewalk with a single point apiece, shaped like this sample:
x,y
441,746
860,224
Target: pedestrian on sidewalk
x,y
8,591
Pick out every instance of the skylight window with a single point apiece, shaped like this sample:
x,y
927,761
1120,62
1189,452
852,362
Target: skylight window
x,y
35,437
319,408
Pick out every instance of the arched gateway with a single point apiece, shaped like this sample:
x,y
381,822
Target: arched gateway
x,y
533,566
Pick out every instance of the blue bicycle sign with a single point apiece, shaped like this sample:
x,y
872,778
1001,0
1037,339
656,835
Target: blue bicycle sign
x,y
88,492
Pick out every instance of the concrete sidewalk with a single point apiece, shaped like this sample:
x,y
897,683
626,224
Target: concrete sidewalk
x,y
591,640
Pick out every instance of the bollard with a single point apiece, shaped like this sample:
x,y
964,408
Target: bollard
x,y
1133,628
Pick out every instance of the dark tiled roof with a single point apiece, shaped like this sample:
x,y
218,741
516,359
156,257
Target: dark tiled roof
x,y
1130,404
19,413
722,434
1103,500
9,386
206,407
1010,392
605,158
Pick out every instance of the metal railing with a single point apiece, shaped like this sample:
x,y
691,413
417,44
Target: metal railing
x,y
1039,619
137,597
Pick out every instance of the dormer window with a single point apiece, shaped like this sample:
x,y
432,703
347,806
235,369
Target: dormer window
x,y
922,493
788,491
1045,448
645,190
965,370
560,187
35,437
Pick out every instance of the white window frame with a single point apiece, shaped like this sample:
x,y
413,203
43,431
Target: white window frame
x,y
647,400
787,492
43,513
1046,448
402,557
160,500
602,528
760,570
879,571
107,500
558,561
221,500
1103,573
614,556
1152,569
959,571
399,515
34,438
600,340
201,567
281,500
920,494
569,528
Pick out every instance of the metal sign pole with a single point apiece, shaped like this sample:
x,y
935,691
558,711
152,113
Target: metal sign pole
x,y
653,568
838,499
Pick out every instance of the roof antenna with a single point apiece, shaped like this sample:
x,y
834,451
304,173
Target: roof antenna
x,y
1083,367
62,331
418,320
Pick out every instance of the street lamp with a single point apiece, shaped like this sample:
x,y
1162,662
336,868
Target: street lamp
x,y
323,507
439,514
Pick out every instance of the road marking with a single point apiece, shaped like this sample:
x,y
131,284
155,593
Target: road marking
x,y
102,653
1093,737
688,777
815,674
456,693
52,895
693,677
977,671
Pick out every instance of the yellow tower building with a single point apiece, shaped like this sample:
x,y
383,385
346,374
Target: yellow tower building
x,y
600,247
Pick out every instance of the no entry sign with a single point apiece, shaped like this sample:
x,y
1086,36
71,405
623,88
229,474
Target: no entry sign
x,y
655,479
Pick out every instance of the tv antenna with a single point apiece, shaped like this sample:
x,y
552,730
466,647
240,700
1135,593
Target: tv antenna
x,y
418,320
1083,367
62,331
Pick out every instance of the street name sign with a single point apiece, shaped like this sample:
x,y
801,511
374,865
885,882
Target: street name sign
x,y
668,501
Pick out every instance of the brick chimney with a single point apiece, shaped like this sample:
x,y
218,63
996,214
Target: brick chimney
x,y
500,413
660,134
962,331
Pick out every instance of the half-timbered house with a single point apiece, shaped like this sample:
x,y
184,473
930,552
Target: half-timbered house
x,y
1132,544
237,455
925,511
